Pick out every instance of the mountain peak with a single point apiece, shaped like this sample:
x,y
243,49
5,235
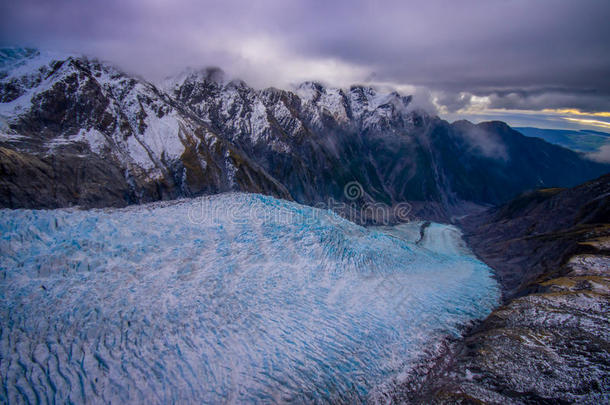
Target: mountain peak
x,y
309,91
210,74
205,135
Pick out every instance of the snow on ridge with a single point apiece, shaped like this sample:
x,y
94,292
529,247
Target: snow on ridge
x,y
96,140
365,102
308,91
28,74
243,113
161,137
31,64
190,74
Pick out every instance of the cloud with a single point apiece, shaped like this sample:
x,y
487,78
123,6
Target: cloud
x,y
486,143
284,67
553,119
452,102
595,123
574,99
516,55
602,155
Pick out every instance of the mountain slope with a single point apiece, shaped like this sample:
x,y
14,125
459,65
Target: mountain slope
x,y
549,342
67,112
585,141
538,231
201,134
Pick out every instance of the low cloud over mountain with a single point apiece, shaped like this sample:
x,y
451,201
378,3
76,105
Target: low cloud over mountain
x,y
518,55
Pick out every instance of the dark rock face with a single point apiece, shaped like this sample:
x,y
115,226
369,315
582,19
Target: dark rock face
x,y
550,342
537,232
60,181
200,134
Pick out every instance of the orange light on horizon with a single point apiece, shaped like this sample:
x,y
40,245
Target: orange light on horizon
x,y
575,111
596,123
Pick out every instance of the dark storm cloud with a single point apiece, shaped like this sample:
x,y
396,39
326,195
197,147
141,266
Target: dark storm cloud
x,y
590,101
522,54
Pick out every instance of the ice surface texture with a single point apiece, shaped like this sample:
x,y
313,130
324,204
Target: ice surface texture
x,y
236,297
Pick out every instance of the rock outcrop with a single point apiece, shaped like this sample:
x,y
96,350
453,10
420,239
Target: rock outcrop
x,y
550,342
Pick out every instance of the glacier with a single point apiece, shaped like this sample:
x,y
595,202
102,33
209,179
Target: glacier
x,y
229,298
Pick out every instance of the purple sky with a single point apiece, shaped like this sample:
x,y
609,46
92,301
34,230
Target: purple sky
x,y
505,59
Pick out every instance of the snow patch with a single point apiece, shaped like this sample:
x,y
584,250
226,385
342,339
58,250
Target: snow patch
x,y
139,154
162,136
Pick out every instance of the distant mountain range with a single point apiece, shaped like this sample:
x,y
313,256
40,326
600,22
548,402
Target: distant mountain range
x,y
586,141
76,131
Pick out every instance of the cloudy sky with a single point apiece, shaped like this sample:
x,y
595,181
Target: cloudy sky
x,y
542,63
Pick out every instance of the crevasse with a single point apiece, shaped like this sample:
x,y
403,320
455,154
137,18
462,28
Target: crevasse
x,y
235,297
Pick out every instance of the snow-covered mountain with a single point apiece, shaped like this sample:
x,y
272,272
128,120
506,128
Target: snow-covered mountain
x,y
78,131
79,125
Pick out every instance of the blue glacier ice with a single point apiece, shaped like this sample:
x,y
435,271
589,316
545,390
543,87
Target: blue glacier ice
x,y
230,298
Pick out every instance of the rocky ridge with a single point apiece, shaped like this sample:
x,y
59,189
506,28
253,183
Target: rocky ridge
x,y
85,133
549,342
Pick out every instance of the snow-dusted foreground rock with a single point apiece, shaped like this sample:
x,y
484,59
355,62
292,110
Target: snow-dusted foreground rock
x,y
551,346
550,342
232,298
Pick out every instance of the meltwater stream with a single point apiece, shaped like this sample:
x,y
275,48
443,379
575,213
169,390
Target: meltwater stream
x,y
231,298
